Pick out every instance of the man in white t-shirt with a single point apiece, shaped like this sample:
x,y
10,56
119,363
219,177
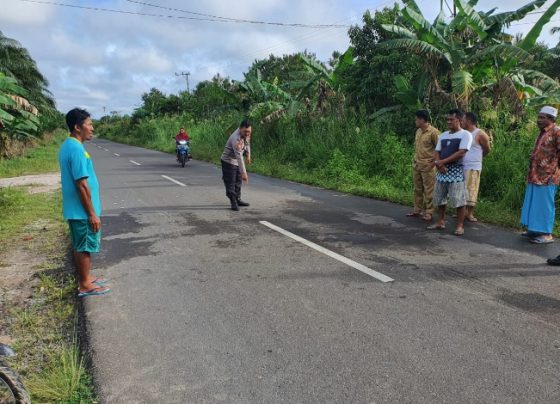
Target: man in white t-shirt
x,y
450,179
472,162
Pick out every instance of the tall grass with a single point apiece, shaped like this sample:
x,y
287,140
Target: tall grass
x,y
63,381
347,153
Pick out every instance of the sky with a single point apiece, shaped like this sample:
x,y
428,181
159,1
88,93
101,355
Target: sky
x,y
105,61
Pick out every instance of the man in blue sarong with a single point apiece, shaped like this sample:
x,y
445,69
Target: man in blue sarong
x,y
537,214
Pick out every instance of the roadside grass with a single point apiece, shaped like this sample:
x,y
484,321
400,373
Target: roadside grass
x,y
42,326
39,159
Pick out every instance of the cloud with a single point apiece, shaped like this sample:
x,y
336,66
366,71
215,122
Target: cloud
x,y
26,13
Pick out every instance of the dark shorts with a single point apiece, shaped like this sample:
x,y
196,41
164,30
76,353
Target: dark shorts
x,y
83,238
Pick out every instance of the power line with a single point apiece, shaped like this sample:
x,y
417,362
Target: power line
x,y
533,22
184,11
115,11
264,53
207,19
238,20
315,34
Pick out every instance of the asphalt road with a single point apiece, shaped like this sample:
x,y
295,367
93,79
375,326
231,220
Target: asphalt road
x,y
210,305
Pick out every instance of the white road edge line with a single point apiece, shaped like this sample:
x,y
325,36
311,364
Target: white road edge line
x,y
134,162
175,181
377,275
116,154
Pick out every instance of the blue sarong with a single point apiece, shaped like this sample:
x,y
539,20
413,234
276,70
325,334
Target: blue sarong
x,y
538,210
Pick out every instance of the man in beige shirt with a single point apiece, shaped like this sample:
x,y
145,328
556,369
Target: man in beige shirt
x,y
423,169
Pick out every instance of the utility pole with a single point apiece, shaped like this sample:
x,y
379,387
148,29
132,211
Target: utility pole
x,y
187,74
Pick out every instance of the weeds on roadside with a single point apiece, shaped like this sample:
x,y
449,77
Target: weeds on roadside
x,y
64,381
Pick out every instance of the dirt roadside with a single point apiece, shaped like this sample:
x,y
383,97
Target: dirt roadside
x,y
48,182
20,263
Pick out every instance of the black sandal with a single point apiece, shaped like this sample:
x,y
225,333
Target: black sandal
x,y
554,261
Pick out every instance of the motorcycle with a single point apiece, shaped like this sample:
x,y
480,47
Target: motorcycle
x,y
12,390
183,152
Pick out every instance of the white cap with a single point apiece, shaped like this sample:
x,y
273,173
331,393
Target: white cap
x,y
549,111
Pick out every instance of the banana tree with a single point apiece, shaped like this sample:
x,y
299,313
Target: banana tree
x,y
469,53
316,81
444,56
265,100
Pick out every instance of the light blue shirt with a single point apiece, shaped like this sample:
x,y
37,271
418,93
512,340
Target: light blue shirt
x,y
75,163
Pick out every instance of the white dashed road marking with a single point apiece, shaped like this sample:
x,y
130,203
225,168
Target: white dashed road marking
x,y
134,162
175,181
338,257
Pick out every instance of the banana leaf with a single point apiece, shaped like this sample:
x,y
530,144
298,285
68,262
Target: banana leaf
x,y
397,29
531,38
424,30
473,18
415,46
463,84
506,18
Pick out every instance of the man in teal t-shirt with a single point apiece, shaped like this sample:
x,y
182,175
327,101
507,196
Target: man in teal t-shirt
x,y
80,199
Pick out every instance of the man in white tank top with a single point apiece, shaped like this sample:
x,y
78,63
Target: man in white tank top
x,y
472,162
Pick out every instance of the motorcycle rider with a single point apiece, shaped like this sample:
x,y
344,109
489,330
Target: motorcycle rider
x,y
182,135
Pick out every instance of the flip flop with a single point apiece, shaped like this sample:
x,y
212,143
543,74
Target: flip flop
x,y
413,214
427,217
541,240
459,232
529,234
94,292
435,227
100,281
472,220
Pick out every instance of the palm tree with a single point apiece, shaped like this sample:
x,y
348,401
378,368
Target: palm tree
x,y
17,116
16,62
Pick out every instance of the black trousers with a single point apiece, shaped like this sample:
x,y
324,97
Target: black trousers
x,y
232,180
